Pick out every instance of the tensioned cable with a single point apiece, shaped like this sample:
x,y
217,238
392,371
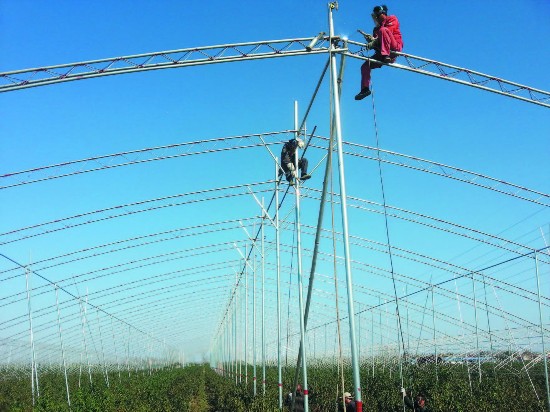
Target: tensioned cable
x,y
424,289
380,174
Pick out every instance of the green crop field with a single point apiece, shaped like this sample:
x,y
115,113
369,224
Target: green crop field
x,y
198,388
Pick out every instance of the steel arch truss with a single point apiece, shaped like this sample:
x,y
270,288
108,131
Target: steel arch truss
x,y
21,79
459,75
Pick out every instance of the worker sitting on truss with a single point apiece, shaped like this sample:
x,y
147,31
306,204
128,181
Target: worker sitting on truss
x,y
289,158
387,38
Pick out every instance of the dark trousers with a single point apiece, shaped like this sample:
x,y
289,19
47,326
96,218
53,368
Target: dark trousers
x,y
302,165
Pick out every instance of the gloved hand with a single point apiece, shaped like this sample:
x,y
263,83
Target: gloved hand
x,y
369,37
403,392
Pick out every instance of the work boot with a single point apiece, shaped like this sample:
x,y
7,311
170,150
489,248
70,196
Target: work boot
x,y
305,177
386,59
363,93
291,182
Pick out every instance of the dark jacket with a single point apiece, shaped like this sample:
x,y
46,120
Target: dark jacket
x,y
350,407
414,405
289,152
298,403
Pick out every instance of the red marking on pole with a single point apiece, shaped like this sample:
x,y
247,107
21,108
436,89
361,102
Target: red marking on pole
x,y
280,385
306,392
359,406
358,389
254,378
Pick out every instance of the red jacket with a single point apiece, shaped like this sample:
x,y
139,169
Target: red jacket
x,y
391,23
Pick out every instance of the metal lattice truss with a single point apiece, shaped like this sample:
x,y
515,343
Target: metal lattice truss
x,y
459,75
21,79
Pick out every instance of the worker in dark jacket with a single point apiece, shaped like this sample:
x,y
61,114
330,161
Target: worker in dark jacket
x,y
299,402
289,159
385,39
419,404
348,402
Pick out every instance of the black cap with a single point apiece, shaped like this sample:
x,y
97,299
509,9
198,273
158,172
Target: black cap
x,y
378,10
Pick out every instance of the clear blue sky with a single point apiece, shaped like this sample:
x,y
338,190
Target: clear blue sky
x,y
416,115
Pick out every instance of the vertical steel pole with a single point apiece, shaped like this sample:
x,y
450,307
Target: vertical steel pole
x,y
278,263
300,281
372,339
234,329
62,347
254,316
86,324
83,323
34,379
343,204
245,317
263,299
542,333
128,351
116,353
476,329
322,202
102,350
240,319
359,332
434,337
487,312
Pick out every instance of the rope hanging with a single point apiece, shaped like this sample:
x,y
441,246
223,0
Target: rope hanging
x,y
380,174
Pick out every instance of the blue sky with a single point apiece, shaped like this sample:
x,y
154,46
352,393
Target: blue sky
x,y
416,115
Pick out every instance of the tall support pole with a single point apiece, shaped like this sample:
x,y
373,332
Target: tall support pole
x,y
542,334
62,347
84,344
487,312
372,339
245,317
103,351
263,299
476,328
344,206
116,352
128,351
254,379
239,330
300,275
278,264
434,337
34,370
359,332
85,312
234,329
328,170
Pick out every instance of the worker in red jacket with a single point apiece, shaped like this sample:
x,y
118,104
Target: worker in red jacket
x,y
385,39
